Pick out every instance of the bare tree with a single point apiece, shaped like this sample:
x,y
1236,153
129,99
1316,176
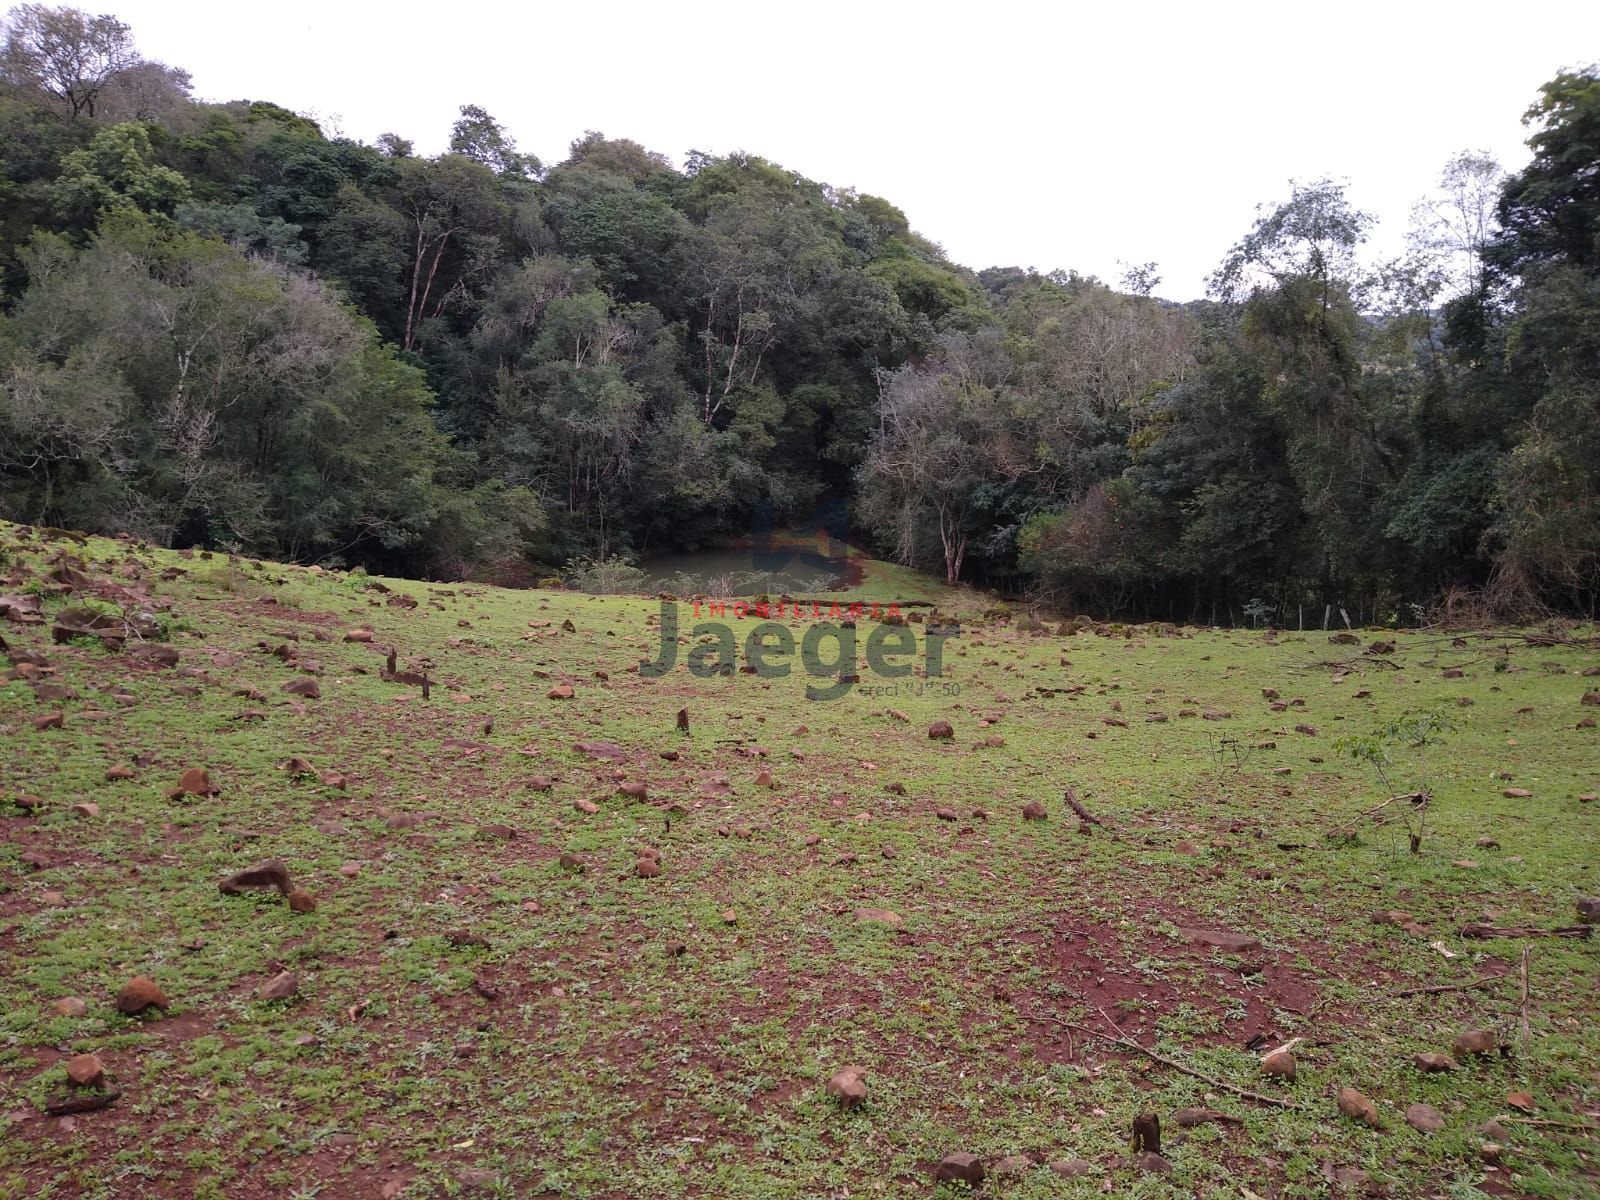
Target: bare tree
x,y
66,53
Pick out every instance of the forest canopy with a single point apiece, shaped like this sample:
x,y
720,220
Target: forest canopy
x,y
220,326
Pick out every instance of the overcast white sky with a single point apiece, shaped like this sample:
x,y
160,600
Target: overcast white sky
x,y
1013,134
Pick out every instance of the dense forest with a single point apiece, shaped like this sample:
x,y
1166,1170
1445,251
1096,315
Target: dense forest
x,y
220,326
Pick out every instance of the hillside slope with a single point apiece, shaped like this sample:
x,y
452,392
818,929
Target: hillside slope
x,y
494,995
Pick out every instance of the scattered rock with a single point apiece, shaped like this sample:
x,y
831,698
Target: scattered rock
x,y
1152,1163
1424,1118
633,789
946,814
848,1086
1071,1168
85,1070
302,902
196,781
1281,1064
138,994
943,729
1011,1164
280,987
269,874
1356,1106
1516,793
120,771
562,691
1235,943
959,1168
879,916
1476,1041
1589,910
69,1006
86,808
304,685
1431,1063
1034,811
585,806
1521,1101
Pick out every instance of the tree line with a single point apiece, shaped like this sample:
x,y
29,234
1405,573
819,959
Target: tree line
x,y
220,326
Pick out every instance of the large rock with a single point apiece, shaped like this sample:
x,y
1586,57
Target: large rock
x,y
848,1086
138,994
959,1168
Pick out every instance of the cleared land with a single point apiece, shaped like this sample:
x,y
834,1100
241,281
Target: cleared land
x,y
471,1012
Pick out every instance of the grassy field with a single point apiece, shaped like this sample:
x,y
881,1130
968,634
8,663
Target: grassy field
x,y
490,999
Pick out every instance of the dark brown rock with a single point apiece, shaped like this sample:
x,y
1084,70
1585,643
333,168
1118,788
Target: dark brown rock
x,y
959,1168
139,993
269,874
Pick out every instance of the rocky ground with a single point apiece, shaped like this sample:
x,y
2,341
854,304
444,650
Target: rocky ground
x,y
314,884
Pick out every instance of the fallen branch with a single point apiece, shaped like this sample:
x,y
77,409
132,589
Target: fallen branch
x,y
1547,1123
1435,989
1419,799
1482,932
1084,814
81,1103
1527,1028
1129,1044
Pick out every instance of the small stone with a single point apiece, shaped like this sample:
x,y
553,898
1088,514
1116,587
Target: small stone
x,y
1356,1106
729,917
946,814
1476,1041
302,902
1424,1118
585,806
943,730
69,1006
85,1070
1495,1131
268,874
1071,1168
1034,811
633,790
1280,1064
120,771
350,869
562,691
1431,1063
1235,943
402,821
279,987
304,685
848,1086
1152,1163
196,781
1516,793
879,916
52,720
1011,1164
138,994
86,808
959,1168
